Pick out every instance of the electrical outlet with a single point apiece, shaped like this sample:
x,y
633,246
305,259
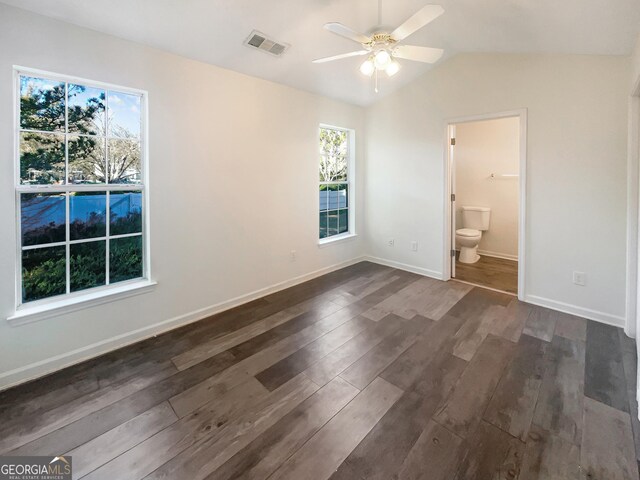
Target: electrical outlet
x,y
580,278
391,242
414,246
293,255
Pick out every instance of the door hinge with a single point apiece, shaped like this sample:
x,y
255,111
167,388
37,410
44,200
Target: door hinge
x,y
453,253
453,141
453,197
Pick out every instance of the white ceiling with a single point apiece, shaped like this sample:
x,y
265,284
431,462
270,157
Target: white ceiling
x,y
213,31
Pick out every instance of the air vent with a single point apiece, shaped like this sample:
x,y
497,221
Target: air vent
x,y
262,42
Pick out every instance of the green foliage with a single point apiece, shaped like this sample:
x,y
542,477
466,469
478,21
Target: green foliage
x,y
333,142
93,227
42,109
88,267
44,269
45,234
332,187
132,223
43,153
333,155
43,273
88,118
125,258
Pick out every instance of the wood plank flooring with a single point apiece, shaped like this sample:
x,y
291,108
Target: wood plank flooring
x,y
365,373
492,272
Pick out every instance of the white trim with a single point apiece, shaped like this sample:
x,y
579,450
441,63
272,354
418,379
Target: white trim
x,y
522,221
633,177
325,242
49,365
483,286
350,183
504,256
90,298
404,266
603,317
73,79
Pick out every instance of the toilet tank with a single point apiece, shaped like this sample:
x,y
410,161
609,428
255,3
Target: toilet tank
x,y
476,218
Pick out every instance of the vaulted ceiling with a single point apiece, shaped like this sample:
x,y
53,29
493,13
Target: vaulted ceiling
x,y
213,31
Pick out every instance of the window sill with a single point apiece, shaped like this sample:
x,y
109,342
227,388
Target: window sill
x,y
336,239
28,314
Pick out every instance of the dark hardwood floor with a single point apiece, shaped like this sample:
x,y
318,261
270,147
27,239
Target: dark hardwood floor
x,y
366,373
492,272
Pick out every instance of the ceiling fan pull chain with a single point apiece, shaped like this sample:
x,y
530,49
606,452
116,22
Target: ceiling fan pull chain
x,y
375,88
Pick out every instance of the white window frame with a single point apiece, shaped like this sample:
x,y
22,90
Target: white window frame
x,y
71,301
351,187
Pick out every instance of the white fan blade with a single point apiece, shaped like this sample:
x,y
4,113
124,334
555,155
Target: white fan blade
x,y
417,21
341,56
418,54
346,32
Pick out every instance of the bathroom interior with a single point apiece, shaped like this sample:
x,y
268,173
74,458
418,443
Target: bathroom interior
x,y
485,182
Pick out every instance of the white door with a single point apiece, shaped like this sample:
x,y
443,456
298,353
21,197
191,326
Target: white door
x,y
452,169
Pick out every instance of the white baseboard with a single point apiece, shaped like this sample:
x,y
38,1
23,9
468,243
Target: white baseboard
x,y
44,367
504,256
596,315
403,266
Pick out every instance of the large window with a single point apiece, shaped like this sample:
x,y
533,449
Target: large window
x,y
79,186
336,216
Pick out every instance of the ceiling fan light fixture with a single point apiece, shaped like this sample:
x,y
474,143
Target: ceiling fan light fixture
x,y
368,67
392,68
382,59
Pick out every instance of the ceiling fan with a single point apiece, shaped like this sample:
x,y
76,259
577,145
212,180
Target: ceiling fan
x,y
383,47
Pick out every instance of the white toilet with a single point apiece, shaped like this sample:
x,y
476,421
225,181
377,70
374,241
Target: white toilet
x,y
475,220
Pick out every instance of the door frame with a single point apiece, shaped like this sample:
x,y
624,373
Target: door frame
x,y
450,123
633,248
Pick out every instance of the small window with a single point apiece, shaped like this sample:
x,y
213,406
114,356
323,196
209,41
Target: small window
x,y
80,186
336,175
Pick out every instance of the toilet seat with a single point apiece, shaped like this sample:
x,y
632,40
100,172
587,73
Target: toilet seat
x,y
468,232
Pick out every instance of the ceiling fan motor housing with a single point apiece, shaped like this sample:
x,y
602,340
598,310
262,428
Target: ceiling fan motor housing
x,y
381,39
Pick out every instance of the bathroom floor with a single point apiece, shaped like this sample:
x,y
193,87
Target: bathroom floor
x,y
490,272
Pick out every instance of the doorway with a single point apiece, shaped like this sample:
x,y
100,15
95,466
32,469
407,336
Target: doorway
x,y
485,201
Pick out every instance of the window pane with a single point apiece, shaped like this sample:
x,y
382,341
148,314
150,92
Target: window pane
x,y
333,142
324,198
124,161
43,273
42,158
87,214
125,209
125,258
333,168
332,223
124,115
88,265
323,224
86,109
333,197
42,218
343,221
41,104
87,163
